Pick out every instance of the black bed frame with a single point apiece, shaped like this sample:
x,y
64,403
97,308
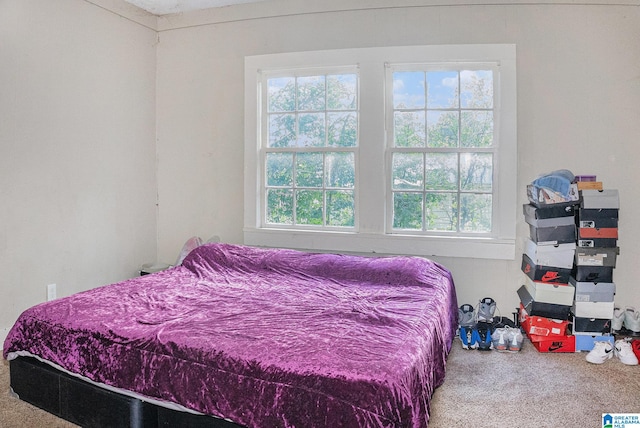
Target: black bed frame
x,y
88,405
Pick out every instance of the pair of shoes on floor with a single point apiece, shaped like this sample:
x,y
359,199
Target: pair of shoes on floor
x,y
475,325
476,337
603,351
468,316
507,339
629,318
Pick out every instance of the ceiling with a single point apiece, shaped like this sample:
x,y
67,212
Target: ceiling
x,y
165,7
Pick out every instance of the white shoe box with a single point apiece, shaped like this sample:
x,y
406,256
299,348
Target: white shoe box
x,y
593,309
559,294
558,255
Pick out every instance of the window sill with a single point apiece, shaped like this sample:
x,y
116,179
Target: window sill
x,y
477,248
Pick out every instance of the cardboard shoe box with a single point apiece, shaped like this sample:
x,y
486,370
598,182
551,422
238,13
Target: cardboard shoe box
x,y
554,343
595,233
596,256
596,199
593,292
593,273
541,326
597,218
547,310
550,211
597,242
549,222
558,294
553,235
591,326
559,255
547,274
593,309
586,342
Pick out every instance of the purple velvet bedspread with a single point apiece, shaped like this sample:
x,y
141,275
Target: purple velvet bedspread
x,y
263,337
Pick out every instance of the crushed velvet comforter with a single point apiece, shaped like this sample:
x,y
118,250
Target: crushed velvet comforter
x,y
262,337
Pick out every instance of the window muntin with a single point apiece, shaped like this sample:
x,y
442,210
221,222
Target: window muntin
x,y
442,149
372,231
310,155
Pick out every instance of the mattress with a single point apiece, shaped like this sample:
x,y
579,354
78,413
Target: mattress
x,y
262,337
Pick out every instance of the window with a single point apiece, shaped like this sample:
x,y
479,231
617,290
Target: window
x,y
402,150
442,149
310,148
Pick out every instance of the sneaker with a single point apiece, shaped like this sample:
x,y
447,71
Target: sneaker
x,y
468,338
515,339
482,334
600,353
624,351
486,309
466,316
499,338
632,319
617,320
635,345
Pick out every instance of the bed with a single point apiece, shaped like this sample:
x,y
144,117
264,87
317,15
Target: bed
x,y
251,336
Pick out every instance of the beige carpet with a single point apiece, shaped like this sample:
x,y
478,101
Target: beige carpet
x,y
482,389
532,389
15,413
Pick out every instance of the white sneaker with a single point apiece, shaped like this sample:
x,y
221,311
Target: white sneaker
x,y
499,339
632,319
624,351
617,320
600,353
515,339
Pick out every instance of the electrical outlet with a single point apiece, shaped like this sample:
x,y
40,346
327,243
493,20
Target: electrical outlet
x,y
51,292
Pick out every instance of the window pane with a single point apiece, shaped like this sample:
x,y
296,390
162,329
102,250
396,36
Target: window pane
x,y
309,207
279,206
340,208
281,94
442,89
342,92
475,212
408,89
409,129
441,171
441,212
311,130
476,129
407,210
408,171
342,129
476,171
311,93
282,130
309,170
279,169
477,89
442,128
340,170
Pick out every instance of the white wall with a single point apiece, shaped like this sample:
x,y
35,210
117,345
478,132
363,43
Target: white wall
x,y
578,97
77,149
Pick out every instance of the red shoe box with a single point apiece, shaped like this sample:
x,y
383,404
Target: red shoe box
x,y
553,343
540,326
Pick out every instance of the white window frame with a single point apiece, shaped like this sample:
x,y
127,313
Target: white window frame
x,y
371,234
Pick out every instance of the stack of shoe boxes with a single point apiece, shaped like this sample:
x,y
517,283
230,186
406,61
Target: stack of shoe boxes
x,y
546,298
592,275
